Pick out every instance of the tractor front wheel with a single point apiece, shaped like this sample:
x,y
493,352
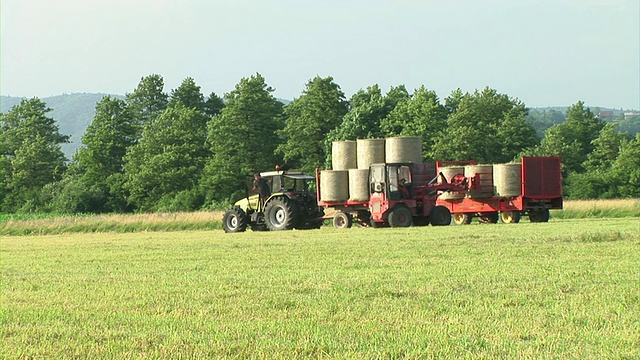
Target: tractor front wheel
x,y
280,214
234,220
400,217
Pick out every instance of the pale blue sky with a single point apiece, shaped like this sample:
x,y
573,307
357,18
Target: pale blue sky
x,y
546,53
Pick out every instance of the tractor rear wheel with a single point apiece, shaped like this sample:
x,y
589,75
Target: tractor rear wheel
x,y
488,217
440,216
461,219
400,217
234,220
510,217
280,214
342,220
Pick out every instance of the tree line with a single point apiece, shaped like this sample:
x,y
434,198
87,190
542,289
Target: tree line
x,y
182,151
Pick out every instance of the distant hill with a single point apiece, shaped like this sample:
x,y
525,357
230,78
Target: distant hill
x,y
72,112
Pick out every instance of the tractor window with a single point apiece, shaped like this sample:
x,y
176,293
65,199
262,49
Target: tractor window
x,y
290,184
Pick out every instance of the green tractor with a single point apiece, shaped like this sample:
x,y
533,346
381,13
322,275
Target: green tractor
x,y
289,206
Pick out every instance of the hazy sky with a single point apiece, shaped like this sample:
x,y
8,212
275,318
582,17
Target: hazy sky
x,y
544,52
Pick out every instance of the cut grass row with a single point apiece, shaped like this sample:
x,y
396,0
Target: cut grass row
x,y
564,289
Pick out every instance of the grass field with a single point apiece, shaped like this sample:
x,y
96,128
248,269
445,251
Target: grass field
x,y
563,289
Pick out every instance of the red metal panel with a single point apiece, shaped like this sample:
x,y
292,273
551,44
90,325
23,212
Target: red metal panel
x,y
541,177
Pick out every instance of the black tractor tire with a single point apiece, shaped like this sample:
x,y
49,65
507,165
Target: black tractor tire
x,y
440,216
461,219
342,220
400,216
488,217
541,215
234,220
510,217
280,214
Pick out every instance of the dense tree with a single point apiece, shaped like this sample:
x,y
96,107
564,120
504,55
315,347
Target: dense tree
x,y
308,120
213,105
606,148
243,138
148,100
31,154
167,162
541,120
573,139
367,109
422,115
626,169
92,183
485,126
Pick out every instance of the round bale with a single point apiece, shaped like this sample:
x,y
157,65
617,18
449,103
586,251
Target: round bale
x,y
403,149
343,155
507,179
334,185
369,151
481,186
449,172
358,184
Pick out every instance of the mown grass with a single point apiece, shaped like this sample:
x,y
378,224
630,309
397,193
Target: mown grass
x,y
564,289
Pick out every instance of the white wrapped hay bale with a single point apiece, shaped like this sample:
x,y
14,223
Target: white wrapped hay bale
x,y
507,179
334,185
403,149
358,184
369,151
480,178
343,155
449,173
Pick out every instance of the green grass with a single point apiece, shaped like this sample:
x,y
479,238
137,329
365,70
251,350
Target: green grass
x,y
564,289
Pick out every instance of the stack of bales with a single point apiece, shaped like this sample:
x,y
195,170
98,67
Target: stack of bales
x,y
349,177
507,179
483,185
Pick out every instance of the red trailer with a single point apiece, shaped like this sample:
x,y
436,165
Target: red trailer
x,y
540,190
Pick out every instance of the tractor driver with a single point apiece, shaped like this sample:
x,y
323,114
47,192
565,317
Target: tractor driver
x,y
260,185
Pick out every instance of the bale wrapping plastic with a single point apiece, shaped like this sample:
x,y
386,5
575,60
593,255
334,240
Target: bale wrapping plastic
x,y
403,149
358,184
334,185
449,173
507,179
481,186
343,155
369,151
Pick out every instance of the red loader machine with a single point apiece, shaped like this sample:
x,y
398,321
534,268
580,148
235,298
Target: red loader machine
x,y
400,195
406,194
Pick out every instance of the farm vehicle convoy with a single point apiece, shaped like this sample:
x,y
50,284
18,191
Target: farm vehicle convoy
x,y
406,194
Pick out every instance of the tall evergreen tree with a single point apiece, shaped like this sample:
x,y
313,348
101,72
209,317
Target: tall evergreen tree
x,y
308,120
148,100
243,138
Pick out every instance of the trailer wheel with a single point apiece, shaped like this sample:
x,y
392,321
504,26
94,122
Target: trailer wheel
x,y
342,220
234,220
400,217
461,219
488,218
440,216
510,217
541,215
